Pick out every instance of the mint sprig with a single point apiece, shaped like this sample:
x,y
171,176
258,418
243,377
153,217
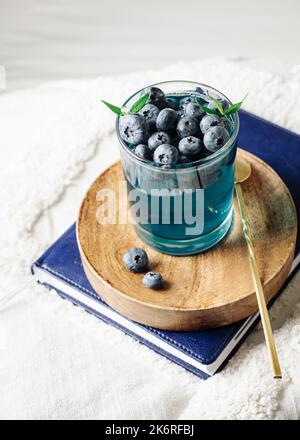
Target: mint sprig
x,y
136,107
219,106
219,111
139,104
114,108
234,107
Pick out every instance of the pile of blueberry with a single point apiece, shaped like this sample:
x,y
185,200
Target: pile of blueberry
x,y
136,260
169,131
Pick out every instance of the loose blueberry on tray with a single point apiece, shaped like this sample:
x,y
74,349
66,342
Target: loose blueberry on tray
x,y
153,280
135,260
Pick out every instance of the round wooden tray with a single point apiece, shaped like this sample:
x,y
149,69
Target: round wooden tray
x,y
211,289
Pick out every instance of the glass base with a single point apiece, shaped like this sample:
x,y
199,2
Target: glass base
x,y
186,247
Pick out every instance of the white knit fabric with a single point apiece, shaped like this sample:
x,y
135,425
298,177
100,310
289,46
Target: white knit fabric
x,y
56,361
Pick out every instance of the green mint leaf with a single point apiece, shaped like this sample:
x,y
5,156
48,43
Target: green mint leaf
x,y
210,111
219,106
113,108
234,107
139,104
206,109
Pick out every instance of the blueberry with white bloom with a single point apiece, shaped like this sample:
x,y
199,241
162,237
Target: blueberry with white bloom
x,y
165,154
192,110
215,138
143,151
190,146
135,260
156,97
158,138
188,126
224,103
150,113
184,101
153,280
210,121
134,129
167,120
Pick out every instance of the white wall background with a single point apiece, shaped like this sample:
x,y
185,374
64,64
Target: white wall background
x,y
52,39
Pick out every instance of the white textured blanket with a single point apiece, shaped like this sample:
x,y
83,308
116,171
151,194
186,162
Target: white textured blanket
x,y
56,361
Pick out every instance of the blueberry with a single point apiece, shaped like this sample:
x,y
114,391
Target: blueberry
x,y
190,146
191,109
172,103
224,103
165,154
184,101
210,121
135,260
183,159
134,129
150,113
167,120
156,97
215,138
188,126
157,139
153,280
143,151
199,91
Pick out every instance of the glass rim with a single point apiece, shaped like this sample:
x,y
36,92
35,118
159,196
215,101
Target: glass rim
x,y
185,166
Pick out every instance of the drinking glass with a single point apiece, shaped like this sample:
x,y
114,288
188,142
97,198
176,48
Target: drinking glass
x,y
186,209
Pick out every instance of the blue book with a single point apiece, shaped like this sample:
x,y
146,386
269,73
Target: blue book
x,y
203,352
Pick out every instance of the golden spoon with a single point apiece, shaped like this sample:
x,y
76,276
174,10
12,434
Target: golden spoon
x,y
242,172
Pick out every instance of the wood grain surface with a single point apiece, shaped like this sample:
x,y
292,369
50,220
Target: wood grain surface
x,y
211,289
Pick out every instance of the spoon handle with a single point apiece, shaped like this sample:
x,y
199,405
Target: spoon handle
x,y
258,285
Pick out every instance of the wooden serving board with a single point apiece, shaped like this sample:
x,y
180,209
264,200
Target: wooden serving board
x,y
211,289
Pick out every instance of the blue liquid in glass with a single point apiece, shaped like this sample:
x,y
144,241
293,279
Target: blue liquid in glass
x,y
215,180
